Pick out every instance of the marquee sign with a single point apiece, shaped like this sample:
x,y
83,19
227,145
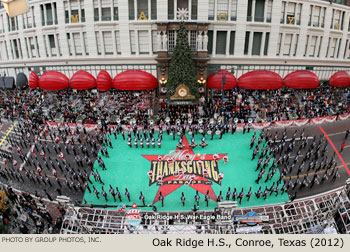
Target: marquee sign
x,y
183,167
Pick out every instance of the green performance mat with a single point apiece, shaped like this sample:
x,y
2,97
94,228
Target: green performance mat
x,y
128,168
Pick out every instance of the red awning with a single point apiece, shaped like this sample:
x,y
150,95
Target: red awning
x,y
52,80
82,80
215,80
33,80
104,81
260,80
135,80
340,79
301,80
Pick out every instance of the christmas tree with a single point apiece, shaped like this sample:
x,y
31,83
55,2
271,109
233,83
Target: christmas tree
x,y
182,68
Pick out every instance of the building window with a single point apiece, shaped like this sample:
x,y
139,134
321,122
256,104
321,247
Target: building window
x,y
337,19
193,40
222,10
182,4
172,40
267,40
117,39
339,44
194,9
306,45
13,23
142,9
131,10
319,47
316,17
279,44
132,42
107,42
291,13
269,11
312,49
257,37
98,43
346,48
190,5
210,41
77,44
106,14
74,11
287,44
259,10
221,42
154,42
86,43
37,46
296,44
28,19
16,49
171,12
146,9
153,9
333,45
232,43
246,43
143,42
48,14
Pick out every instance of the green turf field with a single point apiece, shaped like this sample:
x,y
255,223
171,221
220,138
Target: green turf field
x,y
127,168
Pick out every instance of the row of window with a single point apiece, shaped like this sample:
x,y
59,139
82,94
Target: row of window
x,y
145,42
218,10
107,43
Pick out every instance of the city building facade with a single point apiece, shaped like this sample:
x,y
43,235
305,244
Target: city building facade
x,y
238,35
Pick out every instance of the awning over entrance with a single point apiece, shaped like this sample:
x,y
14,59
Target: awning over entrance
x,y
215,80
260,80
52,80
21,80
340,79
301,80
104,81
82,80
135,80
33,80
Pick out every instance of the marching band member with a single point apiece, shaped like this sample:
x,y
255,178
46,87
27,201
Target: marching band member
x,y
221,176
160,179
216,157
150,174
136,142
225,159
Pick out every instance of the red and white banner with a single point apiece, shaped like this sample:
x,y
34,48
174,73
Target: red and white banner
x,y
300,122
261,125
330,118
345,116
284,123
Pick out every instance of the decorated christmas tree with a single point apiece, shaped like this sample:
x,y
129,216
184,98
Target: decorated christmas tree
x,y
182,68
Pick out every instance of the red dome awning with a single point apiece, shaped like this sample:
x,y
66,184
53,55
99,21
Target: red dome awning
x,y
215,80
52,80
33,80
104,81
301,80
135,80
82,80
340,79
260,80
